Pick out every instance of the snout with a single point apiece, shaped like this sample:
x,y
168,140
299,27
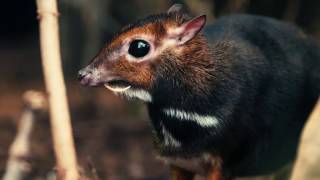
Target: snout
x,y
93,77
88,77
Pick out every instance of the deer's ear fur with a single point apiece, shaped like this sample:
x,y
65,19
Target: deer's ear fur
x,y
188,30
176,8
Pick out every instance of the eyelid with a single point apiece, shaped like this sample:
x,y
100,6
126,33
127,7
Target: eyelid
x,y
141,39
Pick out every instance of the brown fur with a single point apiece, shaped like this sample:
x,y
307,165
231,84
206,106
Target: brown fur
x,y
195,72
180,174
139,74
216,173
142,74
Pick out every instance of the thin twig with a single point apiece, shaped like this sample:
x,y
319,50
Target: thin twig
x,y
59,110
18,166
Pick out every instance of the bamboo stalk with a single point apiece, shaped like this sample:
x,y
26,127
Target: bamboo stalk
x,y
59,111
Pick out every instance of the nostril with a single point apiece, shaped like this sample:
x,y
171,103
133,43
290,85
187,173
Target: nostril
x,y
82,73
86,78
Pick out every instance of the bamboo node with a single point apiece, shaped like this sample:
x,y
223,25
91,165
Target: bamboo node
x,y
41,14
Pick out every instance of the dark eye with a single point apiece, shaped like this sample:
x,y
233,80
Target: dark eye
x,y
139,48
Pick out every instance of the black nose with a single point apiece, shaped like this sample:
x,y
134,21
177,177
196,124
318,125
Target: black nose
x,y
85,76
81,74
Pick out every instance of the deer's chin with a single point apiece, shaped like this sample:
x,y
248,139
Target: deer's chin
x,y
117,88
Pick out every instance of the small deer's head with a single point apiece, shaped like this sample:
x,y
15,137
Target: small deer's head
x,y
146,51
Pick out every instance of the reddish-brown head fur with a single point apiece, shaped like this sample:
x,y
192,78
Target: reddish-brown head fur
x,y
175,45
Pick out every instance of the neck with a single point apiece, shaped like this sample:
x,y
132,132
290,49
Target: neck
x,y
186,79
184,98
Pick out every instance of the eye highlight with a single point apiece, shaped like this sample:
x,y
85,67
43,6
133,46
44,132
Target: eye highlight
x,y
139,48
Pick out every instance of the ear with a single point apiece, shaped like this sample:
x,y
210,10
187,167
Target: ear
x,y
179,11
188,30
176,8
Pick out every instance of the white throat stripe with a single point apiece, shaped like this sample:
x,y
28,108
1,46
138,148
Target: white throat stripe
x,y
202,120
138,93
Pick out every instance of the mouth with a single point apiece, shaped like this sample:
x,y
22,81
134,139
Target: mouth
x,y
117,85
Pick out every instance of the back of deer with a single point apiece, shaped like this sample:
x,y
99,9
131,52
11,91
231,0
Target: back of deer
x,y
225,100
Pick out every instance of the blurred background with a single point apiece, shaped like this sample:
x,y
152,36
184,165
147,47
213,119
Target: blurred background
x,y
111,134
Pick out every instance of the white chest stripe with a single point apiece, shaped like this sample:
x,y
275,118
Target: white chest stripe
x,y
140,94
168,139
202,120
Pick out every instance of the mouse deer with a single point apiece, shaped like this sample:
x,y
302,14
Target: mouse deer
x,y
227,99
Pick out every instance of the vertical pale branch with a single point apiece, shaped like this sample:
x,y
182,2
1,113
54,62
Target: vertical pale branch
x,y
18,166
308,161
59,111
